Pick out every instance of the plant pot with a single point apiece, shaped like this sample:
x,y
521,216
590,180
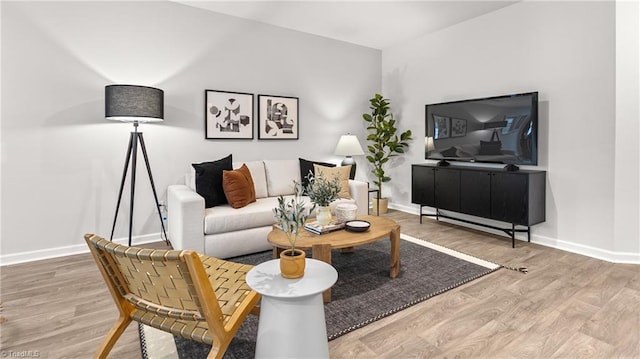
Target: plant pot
x,y
292,266
323,215
384,205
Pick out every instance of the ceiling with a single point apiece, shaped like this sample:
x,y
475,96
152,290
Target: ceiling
x,y
375,24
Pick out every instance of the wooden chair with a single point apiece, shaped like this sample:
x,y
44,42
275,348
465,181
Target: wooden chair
x,y
181,292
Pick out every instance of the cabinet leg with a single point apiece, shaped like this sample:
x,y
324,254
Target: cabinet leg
x,y
529,234
513,235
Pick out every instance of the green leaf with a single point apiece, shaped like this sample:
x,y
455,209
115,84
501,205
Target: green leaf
x,y
384,139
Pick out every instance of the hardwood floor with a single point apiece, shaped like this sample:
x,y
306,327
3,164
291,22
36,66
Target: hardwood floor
x,y
567,306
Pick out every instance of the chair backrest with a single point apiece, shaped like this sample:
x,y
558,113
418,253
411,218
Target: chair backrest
x,y
166,283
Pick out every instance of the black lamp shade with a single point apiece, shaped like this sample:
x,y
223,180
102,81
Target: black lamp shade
x,y
131,103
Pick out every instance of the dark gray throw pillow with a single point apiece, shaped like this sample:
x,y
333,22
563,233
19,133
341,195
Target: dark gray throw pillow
x,y
209,180
450,152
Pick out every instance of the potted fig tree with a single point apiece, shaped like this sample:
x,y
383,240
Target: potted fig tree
x,y
383,144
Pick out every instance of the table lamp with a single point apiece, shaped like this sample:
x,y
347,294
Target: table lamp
x,y
348,146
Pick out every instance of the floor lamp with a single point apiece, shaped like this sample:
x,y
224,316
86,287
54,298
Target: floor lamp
x,y
129,103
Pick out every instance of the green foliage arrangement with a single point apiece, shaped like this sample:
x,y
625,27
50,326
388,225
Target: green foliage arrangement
x,y
384,143
290,215
321,190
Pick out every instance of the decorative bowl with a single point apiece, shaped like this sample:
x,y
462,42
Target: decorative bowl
x,y
357,226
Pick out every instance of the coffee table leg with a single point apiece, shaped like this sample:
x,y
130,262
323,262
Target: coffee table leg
x,y
322,252
275,253
347,250
395,252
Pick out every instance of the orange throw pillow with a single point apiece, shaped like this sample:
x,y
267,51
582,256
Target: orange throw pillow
x,y
238,187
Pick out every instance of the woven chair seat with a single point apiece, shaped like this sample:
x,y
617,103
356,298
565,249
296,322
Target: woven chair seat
x,y
184,293
228,281
189,329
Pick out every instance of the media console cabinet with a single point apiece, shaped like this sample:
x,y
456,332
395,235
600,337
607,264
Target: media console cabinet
x,y
515,197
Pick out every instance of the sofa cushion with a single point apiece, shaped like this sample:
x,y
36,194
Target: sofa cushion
x,y
306,166
224,219
257,174
190,178
238,187
209,180
280,176
341,172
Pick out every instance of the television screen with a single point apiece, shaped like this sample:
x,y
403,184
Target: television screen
x,y
500,129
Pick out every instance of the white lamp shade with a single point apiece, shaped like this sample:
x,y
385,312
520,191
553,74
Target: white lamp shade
x,y
349,146
131,103
428,144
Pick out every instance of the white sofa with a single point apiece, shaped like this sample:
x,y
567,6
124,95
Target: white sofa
x,y
223,231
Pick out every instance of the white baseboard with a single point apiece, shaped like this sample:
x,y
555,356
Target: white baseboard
x,y
605,255
48,253
598,253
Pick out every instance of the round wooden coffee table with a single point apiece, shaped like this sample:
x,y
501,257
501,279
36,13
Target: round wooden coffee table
x,y
321,245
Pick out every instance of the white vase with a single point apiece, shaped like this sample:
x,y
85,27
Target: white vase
x,y
323,215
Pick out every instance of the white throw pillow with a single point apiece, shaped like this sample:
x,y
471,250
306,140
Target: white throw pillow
x,y
280,176
257,173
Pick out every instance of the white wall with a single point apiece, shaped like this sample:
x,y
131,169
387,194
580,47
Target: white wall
x,y
62,162
627,150
567,52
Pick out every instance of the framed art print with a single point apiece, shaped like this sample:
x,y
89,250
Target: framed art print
x,y
441,127
277,118
228,115
458,127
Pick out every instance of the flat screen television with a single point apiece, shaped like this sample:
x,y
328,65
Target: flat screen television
x,y
501,129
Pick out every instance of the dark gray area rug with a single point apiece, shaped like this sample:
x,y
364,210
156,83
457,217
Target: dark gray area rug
x,y
364,293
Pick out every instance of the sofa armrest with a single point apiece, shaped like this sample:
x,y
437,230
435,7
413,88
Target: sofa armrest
x,y
360,192
185,215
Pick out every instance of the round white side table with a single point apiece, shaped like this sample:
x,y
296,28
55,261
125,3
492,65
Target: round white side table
x,y
292,321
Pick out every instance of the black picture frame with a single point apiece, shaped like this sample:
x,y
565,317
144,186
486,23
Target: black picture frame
x,y
228,115
278,117
458,127
442,127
